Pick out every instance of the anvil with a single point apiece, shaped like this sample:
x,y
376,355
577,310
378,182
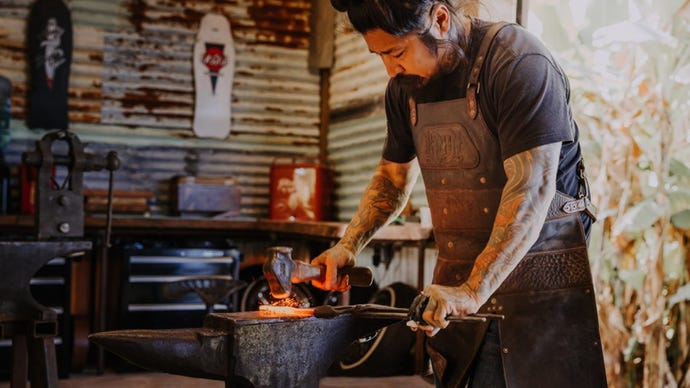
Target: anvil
x,y
247,349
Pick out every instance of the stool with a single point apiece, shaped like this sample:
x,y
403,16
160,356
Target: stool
x,y
31,326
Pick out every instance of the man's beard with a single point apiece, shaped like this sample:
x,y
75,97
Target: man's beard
x,y
452,57
411,84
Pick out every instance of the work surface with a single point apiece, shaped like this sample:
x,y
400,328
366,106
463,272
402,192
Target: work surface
x,y
133,224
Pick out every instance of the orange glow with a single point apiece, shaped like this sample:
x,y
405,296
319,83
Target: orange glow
x,y
286,311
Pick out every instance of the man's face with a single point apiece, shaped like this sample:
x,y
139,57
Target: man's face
x,y
407,57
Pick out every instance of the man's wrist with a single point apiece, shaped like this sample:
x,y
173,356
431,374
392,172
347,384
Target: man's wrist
x,y
473,291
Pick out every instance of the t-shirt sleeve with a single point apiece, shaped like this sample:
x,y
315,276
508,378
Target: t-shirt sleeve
x,y
530,96
399,145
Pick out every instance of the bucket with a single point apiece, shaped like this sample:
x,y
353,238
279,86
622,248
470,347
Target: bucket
x,y
300,190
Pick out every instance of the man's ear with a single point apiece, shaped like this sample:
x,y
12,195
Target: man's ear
x,y
441,21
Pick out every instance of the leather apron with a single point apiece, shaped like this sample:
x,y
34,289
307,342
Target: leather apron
x,y
550,334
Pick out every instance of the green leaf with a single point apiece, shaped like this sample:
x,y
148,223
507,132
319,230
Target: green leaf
x,y
679,168
681,220
674,260
639,217
679,200
683,294
633,277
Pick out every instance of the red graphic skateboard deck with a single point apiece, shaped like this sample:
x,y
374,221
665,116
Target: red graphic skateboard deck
x,y
214,65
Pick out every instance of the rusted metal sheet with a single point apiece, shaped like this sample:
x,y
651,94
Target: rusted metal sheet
x,y
85,78
131,90
152,167
358,122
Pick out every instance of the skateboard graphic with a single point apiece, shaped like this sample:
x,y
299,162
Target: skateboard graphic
x,y
214,65
49,55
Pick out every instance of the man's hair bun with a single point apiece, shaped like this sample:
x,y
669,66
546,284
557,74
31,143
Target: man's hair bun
x,y
341,5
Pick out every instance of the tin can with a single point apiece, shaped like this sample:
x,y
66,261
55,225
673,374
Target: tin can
x,y
300,191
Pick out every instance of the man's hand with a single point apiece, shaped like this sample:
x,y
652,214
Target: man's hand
x,y
334,258
445,301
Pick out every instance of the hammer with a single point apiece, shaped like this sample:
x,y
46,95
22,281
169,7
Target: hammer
x,y
281,271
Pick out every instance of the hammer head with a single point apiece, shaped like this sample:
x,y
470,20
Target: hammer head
x,y
278,270
281,271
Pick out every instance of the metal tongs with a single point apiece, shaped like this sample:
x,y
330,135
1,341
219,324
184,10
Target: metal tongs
x,y
413,315
415,320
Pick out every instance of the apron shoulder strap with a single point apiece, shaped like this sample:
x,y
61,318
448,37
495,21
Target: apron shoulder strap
x,y
473,83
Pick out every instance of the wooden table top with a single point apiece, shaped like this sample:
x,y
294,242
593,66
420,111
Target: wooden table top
x,y
323,229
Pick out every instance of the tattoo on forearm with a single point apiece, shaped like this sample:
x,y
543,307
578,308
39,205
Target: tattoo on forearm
x,y
521,213
380,201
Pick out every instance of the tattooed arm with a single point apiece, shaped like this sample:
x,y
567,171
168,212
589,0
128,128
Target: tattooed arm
x,y
521,213
382,201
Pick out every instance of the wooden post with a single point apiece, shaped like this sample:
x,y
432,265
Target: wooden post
x,y
324,114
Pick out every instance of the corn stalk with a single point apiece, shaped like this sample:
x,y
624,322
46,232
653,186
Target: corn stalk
x,y
629,65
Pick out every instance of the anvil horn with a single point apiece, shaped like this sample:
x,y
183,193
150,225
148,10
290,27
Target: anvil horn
x,y
196,352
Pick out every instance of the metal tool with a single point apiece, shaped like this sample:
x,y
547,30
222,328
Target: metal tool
x,y
60,207
246,349
281,271
411,315
415,320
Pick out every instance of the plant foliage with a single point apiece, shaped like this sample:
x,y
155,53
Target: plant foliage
x,y
629,66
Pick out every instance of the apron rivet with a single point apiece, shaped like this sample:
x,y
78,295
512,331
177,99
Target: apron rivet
x,y
486,210
493,300
443,181
482,180
445,210
587,291
450,244
505,350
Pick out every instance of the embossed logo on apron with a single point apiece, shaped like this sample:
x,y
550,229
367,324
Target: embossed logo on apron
x,y
448,146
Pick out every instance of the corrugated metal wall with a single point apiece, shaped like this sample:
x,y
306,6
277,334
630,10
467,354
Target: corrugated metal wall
x,y
358,121
131,90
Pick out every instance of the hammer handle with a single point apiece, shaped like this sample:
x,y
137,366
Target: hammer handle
x,y
359,276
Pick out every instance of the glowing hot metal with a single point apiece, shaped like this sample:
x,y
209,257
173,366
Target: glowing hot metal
x,y
285,311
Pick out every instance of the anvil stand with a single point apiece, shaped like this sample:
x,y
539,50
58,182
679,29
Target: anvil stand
x,y
59,223
31,326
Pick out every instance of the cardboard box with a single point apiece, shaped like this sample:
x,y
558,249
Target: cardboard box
x,y
130,202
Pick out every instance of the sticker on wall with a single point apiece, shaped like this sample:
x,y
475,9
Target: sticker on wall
x,y
214,66
49,45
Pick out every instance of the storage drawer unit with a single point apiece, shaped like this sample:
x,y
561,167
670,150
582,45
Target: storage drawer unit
x,y
148,279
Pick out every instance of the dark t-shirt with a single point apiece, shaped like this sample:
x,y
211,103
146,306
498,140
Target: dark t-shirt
x,y
523,96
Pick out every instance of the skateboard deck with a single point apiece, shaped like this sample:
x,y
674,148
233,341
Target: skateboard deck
x,y
49,55
214,65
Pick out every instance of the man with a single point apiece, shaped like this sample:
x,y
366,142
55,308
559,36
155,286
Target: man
x,y
483,109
